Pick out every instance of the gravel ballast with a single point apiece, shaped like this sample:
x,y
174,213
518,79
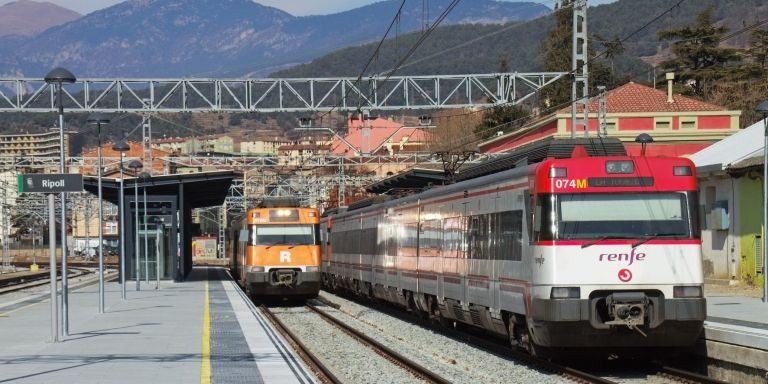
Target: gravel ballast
x,y
453,360
349,360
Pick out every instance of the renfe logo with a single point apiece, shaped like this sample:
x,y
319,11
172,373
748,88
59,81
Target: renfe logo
x,y
625,275
629,257
285,257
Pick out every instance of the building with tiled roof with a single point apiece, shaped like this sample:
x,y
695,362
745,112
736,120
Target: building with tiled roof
x,y
378,136
679,125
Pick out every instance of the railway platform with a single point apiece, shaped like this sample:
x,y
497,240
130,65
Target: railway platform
x,y
201,330
735,339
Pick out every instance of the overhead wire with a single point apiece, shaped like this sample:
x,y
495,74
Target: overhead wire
x,y
528,116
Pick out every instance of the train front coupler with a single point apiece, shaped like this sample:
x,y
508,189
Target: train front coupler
x,y
286,277
627,308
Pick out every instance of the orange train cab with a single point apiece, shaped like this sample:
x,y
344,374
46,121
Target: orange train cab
x,y
279,252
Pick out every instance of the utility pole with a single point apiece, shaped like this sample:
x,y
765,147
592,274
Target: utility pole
x,y
579,56
602,111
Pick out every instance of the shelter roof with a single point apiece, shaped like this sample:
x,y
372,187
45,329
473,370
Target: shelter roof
x,y
745,144
414,178
201,189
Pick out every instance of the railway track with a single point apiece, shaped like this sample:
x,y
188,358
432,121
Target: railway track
x,y
18,283
16,278
657,372
393,357
306,354
684,376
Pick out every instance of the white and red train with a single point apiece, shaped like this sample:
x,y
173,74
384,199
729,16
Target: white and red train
x,y
566,253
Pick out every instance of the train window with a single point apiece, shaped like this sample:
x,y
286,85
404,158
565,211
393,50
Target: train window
x,y
630,215
430,235
368,241
407,236
353,239
528,215
391,240
478,232
381,240
453,235
509,243
283,234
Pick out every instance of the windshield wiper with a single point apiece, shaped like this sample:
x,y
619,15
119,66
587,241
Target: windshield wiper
x,y
601,238
652,236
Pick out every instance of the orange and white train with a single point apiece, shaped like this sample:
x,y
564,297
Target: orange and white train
x,y
567,253
277,252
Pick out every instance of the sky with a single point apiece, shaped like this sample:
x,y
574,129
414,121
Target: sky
x,y
294,7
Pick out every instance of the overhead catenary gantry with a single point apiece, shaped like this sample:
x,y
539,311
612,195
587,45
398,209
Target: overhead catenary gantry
x,y
275,95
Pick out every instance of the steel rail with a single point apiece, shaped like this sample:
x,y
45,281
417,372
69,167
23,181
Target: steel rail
x,y
37,282
503,351
302,349
408,363
687,376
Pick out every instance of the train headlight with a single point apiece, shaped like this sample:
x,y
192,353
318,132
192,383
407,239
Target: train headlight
x,y
623,166
252,268
682,170
565,293
687,292
556,172
313,269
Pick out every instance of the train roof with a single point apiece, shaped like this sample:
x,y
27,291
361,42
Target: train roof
x,y
279,202
420,179
541,150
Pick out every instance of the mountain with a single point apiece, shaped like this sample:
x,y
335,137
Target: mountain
x,y
174,38
475,48
28,18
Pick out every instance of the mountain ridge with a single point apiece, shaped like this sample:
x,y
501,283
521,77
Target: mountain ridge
x,y
173,38
29,18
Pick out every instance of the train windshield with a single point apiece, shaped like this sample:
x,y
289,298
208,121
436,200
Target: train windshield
x,y
276,234
665,215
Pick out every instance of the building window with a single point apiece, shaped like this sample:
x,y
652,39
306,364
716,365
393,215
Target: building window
x,y
688,123
663,124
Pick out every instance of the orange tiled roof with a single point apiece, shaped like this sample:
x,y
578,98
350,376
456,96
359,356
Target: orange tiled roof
x,y
638,98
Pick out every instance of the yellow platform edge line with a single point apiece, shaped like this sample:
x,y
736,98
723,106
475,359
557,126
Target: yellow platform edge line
x,y
205,365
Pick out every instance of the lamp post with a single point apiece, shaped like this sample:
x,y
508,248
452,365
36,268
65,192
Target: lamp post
x,y
763,109
60,76
144,176
136,165
99,119
121,146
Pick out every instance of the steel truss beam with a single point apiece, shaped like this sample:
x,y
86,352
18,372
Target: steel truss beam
x,y
275,95
234,162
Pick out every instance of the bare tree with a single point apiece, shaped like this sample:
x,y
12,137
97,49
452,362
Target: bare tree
x,y
454,131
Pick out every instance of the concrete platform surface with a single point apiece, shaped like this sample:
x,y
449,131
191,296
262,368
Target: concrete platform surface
x,y
202,330
737,320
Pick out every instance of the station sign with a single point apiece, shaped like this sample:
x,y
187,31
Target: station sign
x,y
50,182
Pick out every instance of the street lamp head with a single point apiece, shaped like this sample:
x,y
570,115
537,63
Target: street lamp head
x,y
135,165
121,146
98,118
644,139
60,75
144,175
